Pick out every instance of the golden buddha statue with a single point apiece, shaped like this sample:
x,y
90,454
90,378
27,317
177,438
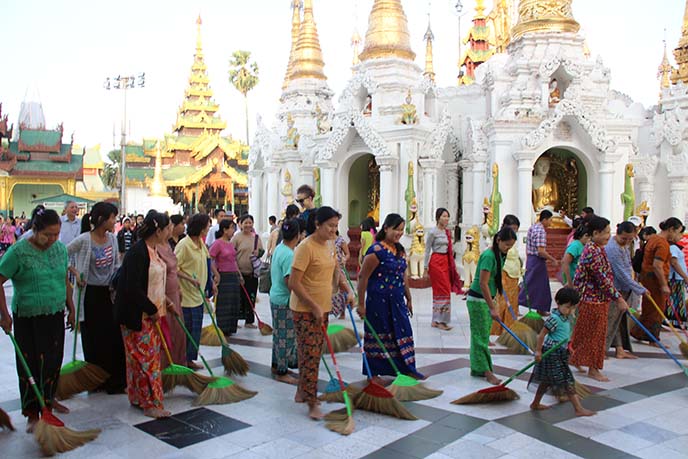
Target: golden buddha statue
x,y
408,115
554,92
288,189
293,135
545,192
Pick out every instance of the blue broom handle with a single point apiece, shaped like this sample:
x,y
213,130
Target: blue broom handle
x,y
508,305
508,330
358,339
652,337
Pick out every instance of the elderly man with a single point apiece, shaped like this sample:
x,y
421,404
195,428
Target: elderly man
x,y
71,224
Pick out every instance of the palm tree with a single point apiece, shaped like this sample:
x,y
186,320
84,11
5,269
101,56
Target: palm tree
x,y
244,77
111,171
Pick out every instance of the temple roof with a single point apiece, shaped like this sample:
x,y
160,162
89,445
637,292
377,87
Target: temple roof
x,y
40,138
387,34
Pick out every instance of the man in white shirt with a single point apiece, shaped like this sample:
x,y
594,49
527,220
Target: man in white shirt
x,y
220,215
71,224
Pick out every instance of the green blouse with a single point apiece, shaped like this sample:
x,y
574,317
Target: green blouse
x,y
487,262
38,278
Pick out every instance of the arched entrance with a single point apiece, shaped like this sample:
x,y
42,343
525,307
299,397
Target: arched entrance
x,y
23,194
363,201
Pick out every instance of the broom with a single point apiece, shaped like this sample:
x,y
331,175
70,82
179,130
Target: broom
x,y
51,433
222,390
652,337
374,397
404,388
345,425
677,317
208,337
233,362
501,393
519,334
78,376
5,422
532,318
683,346
333,392
179,375
265,329
342,338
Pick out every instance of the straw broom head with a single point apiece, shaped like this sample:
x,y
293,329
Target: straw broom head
x,y
209,337
78,376
377,399
533,320
233,362
223,391
414,393
524,332
490,395
53,437
342,338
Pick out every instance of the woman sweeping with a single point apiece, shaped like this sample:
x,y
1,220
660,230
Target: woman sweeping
x,y
535,292
192,261
384,298
594,280
96,260
224,255
677,283
511,273
248,245
310,281
581,236
37,267
174,332
620,258
482,307
654,276
140,304
440,267
283,335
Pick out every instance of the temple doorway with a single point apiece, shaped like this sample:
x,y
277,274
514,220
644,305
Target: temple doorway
x,y
363,202
214,198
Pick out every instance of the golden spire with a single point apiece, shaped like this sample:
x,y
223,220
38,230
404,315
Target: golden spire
x,y
157,186
429,67
387,34
199,46
681,53
295,27
544,16
664,71
308,60
355,43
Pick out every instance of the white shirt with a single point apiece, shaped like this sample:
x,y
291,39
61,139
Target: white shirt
x,y
69,230
210,237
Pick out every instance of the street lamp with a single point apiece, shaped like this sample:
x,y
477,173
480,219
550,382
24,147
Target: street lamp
x,y
458,9
124,83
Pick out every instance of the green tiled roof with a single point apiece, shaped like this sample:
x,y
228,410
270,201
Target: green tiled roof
x,y
50,166
134,150
62,198
149,144
39,137
139,174
173,173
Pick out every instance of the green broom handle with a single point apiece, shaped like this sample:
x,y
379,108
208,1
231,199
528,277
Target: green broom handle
x,y
41,400
78,309
531,364
327,367
210,312
188,335
377,338
336,368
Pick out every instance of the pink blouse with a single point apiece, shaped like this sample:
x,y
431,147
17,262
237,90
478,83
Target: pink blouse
x,y
224,254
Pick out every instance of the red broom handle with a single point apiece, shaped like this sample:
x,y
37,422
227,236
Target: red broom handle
x,y
253,306
678,318
336,369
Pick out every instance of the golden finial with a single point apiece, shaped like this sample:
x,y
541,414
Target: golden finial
x,y
429,67
308,60
295,27
681,53
355,44
664,72
157,186
544,16
500,21
387,34
480,8
199,47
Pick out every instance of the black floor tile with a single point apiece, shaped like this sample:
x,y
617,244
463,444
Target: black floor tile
x,y
462,422
386,453
174,432
414,446
427,413
209,421
622,395
439,433
659,385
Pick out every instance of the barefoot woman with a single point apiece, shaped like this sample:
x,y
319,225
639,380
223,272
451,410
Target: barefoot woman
x,y
482,307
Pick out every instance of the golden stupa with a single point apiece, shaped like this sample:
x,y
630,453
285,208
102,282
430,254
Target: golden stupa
x,y
387,34
308,60
544,16
681,53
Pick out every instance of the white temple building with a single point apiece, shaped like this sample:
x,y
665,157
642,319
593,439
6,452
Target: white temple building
x,y
393,135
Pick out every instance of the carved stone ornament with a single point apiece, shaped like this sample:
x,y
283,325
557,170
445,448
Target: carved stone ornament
x,y
667,127
573,68
352,119
261,144
645,168
359,80
434,145
477,140
598,134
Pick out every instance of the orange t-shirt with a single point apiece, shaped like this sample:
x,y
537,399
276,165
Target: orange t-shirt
x,y
317,262
657,248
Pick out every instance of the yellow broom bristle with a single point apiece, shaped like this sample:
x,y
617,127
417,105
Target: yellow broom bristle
x,y
343,427
234,363
5,421
490,397
389,406
342,341
265,329
414,393
536,323
209,336
53,439
337,415
683,347
337,397
524,332
87,378
222,396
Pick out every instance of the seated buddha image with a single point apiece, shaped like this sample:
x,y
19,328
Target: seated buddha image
x,y
546,194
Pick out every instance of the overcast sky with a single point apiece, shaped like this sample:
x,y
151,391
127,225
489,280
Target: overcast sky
x,y
63,50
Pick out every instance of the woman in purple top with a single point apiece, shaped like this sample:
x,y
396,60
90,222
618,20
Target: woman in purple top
x,y
535,293
228,300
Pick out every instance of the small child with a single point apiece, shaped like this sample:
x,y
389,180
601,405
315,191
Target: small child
x,y
553,375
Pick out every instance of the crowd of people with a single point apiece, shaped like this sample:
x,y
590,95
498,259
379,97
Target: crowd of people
x,y
133,278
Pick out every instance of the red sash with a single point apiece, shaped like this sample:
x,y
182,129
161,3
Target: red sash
x,y
454,278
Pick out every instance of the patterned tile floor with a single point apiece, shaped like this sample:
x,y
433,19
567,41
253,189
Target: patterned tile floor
x,y
641,412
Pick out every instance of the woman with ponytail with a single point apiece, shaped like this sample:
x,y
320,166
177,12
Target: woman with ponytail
x,y
511,273
95,254
482,307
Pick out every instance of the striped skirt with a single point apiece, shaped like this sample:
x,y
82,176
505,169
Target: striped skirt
x,y
678,300
552,374
227,304
438,270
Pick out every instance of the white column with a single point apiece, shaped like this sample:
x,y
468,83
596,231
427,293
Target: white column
x,y
255,198
430,169
466,193
327,183
389,197
606,199
525,193
306,176
677,192
272,199
479,195
452,192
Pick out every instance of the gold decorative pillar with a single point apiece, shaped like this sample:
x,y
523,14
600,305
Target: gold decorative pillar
x,y
544,16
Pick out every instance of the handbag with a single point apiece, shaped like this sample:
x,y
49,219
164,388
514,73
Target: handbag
x,y
256,262
265,277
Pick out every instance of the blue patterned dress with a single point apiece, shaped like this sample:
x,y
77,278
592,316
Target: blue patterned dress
x,y
388,314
